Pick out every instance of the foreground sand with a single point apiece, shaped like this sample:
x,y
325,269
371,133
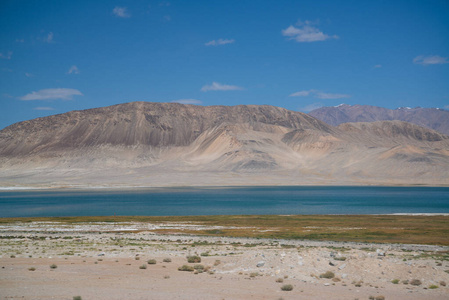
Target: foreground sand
x,y
100,261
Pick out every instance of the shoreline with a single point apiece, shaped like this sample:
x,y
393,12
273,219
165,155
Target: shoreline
x,y
151,187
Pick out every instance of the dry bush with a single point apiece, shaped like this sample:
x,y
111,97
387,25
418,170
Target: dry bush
x,y
193,259
415,282
328,275
287,287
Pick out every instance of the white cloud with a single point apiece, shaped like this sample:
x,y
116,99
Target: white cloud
x,y
306,32
44,108
167,18
73,70
319,94
220,42
377,66
311,107
28,74
187,101
215,86
20,41
49,38
430,60
301,93
6,55
121,12
59,93
322,95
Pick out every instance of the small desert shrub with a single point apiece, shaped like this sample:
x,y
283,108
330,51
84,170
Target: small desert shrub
x,y
433,286
53,266
143,267
217,262
100,259
137,258
443,283
205,254
193,259
12,256
379,297
198,267
287,287
32,269
186,268
328,275
405,281
340,258
358,284
280,280
336,279
167,260
395,281
415,282
77,298
151,261
166,277
253,274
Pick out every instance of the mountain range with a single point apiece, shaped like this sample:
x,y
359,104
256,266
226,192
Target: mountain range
x,y
434,118
170,144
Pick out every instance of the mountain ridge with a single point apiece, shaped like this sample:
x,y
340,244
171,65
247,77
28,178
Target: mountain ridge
x,y
154,144
433,118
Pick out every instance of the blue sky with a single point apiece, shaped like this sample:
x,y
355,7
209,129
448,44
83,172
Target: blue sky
x,y
58,56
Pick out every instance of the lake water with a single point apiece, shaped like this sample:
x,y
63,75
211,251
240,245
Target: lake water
x,y
226,201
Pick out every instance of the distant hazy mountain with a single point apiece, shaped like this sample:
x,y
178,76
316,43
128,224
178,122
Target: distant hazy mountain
x,y
160,144
434,118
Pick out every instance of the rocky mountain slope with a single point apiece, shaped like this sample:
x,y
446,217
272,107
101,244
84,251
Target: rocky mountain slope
x,y
434,118
160,144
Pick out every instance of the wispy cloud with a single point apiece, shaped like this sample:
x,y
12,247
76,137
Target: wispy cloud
x,y
187,101
319,94
322,95
49,94
215,86
20,41
6,55
430,60
301,93
28,74
311,107
49,37
306,32
73,70
121,12
43,108
220,42
377,66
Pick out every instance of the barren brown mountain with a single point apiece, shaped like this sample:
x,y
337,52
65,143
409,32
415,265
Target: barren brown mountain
x,y
434,118
169,144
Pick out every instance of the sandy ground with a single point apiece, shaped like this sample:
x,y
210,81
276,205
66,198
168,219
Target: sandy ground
x,y
103,261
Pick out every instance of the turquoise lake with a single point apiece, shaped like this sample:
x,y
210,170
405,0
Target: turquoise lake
x,y
226,201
